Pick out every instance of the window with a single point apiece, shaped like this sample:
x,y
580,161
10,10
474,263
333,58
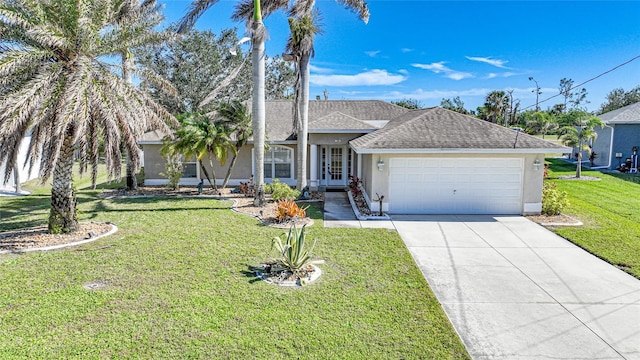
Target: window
x,y
278,161
189,168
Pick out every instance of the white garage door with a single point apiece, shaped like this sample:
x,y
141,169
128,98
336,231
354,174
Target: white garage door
x,y
455,185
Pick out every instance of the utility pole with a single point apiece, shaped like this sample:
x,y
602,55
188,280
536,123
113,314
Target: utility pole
x,y
537,91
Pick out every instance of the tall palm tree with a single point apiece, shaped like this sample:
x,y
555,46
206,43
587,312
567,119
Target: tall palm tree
x,y
57,84
580,136
303,30
300,46
235,117
252,12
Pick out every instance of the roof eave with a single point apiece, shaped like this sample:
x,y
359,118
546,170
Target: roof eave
x,y
457,151
341,131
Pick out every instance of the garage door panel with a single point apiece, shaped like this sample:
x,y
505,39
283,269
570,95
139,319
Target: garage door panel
x,y
456,186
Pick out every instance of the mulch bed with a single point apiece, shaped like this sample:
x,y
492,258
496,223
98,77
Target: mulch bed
x,y
38,237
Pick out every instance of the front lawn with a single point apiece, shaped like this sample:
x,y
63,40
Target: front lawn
x,y
177,286
610,211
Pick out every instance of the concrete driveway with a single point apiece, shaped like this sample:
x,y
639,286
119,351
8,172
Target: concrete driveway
x,y
514,290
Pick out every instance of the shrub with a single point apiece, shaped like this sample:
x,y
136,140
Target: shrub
x,y
173,172
281,191
553,200
354,185
294,256
288,209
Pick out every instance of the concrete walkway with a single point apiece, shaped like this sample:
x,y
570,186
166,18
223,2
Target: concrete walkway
x,y
514,290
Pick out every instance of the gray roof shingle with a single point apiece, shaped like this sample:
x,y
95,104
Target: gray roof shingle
x,y
438,128
279,115
629,114
339,121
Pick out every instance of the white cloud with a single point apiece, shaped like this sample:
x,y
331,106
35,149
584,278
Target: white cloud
x,y
403,71
406,50
367,78
440,67
373,53
502,75
488,60
317,69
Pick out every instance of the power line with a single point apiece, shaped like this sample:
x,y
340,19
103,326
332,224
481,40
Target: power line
x,y
584,82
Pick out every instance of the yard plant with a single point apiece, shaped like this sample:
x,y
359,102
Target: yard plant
x,y
177,285
294,255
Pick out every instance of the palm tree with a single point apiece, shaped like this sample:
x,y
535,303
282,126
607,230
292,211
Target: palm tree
x,y
540,122
200,137
303,31
496,103
250,11
300,46
57,84
234,116
580,137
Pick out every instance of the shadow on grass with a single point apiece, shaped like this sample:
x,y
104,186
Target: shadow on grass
x,y
634,178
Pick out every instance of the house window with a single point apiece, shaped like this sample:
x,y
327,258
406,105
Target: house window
x,y
189,168
278,163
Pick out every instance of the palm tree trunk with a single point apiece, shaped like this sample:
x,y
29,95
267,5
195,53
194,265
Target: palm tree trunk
x,y
213,172
231,165
127,64
16,179
579,166
303,126
258,103
206,174
63,217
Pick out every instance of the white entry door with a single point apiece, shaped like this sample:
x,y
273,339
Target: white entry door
x,y
335,166
455,185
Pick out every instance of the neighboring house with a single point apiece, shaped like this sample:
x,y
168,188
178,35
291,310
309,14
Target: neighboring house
x,y
615,142
432,161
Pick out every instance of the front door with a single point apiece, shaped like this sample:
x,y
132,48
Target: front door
x,y
335,166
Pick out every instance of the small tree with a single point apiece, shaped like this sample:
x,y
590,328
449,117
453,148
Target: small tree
x,y
580,136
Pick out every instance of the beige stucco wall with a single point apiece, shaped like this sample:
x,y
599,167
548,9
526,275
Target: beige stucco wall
x,y
154,165
376,181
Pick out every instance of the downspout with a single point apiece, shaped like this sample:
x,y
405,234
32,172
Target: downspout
x,y
610,151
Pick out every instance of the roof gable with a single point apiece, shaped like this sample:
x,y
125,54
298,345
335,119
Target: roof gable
x,y
339,121
438,128
629,114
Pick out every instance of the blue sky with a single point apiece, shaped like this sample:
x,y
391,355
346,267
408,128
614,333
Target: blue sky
x,y
429,50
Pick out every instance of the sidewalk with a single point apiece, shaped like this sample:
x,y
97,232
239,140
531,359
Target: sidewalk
x,y
338,213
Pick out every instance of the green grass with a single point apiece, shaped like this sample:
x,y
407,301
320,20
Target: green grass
x,y
179,287
610,211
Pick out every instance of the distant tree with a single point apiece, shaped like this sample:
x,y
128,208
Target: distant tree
x,y
412,104
581,135
618,98
495,105
573,98
540,122
198,61
456,104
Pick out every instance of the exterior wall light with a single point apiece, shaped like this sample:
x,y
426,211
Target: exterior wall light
x,y
380,165
536,164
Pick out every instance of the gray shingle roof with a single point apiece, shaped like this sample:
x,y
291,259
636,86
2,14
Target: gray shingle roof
x,y
438,128
629,114
339,121
279,114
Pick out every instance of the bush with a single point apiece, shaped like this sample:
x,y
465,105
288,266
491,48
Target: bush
x,y
173,172
354,185
281,191
288,209
553,200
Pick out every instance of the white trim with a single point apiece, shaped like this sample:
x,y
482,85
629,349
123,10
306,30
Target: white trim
x,y
313,166
459,151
